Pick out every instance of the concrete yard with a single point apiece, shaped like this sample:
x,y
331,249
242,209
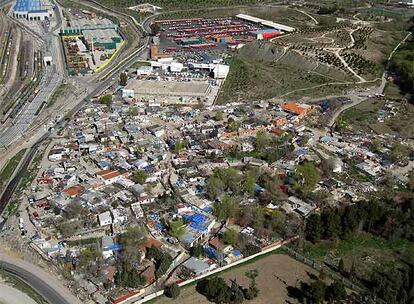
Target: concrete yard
x,y
193,89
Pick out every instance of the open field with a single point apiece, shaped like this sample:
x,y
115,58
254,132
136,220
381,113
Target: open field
x,y
272,289
179,4
262,70
366,252
364,118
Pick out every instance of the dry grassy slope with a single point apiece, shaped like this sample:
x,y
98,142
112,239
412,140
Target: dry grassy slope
x,y
259,71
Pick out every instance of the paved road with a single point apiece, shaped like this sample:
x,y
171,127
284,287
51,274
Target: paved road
x,y
41,281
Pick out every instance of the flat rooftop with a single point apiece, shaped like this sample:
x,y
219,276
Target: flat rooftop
x,y
27,5
265,23
169,88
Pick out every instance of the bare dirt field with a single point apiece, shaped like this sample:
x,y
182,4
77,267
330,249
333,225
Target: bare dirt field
x,y
274,270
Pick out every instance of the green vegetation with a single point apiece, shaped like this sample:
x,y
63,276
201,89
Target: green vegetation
x,y
172,291
123,78
178,4
10,167
318,292
162,260
129,277
32,170
264,70
62,90
106,100
176,228
138,64
372,251
196,251
402,65
306,176
230,237
139,177
216,290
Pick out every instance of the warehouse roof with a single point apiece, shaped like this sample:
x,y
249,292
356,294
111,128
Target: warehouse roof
x,y
27,5
266,23
101,35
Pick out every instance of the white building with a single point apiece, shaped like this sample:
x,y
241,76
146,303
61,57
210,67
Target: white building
x,y
220,71
105,219
144,70
120,215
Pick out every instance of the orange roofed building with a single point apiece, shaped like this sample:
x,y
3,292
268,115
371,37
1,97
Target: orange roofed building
x,y
301,110
108,176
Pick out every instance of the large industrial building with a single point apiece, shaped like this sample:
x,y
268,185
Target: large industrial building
x,y
106,39
33,10
77,26
266,23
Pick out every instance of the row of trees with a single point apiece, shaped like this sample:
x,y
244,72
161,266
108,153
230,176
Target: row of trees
x,y
402,65
162,261
373,217
318,292
216,290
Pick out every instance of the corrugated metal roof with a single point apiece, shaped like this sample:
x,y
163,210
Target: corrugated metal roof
x,y
266,22
27,6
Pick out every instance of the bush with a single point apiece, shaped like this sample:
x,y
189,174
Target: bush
x,y
172,291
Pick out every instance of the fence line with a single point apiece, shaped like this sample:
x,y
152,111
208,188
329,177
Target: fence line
x,y
335,276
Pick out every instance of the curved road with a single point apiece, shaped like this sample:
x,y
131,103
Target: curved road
x,y
41,281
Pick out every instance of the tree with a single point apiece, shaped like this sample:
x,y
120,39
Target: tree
x,y
139,176
179,146
341,267
88,255
155,28
214,289
238,296
233,125
123,78
262,141
218,116
215,187
73,210
133,111
230,237
130,240
226,208
332,223
316,292
249,183
196,251
399,152
106,100
313,228
172,291
176,228
306,176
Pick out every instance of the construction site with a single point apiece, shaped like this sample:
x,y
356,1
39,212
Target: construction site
x,y
89,44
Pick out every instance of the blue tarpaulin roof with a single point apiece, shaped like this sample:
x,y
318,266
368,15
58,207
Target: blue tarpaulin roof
x,y
114,247
198,227
27,6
